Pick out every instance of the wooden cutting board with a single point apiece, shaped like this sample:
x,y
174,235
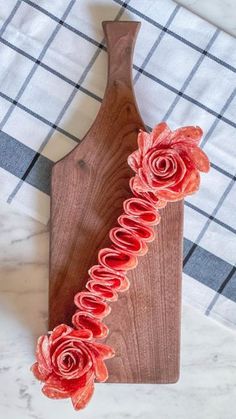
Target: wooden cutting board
x,y
88,188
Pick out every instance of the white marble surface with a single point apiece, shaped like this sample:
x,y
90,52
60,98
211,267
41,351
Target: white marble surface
x,y
207,389
221,13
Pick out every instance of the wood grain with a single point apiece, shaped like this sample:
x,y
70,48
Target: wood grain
x,y
88,188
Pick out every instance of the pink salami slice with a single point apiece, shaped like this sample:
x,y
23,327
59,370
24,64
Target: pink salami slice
x,y
85,320
128,240
93,304
113,279
143,210
117,259
130,222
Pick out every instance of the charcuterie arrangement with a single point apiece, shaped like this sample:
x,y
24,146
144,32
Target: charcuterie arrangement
x,y
166,168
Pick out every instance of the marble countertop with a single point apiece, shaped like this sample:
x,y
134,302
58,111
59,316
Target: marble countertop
x,y
207,388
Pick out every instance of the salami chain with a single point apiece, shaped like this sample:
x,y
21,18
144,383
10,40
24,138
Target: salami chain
x,y
166,165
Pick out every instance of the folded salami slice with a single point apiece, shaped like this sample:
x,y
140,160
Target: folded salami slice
x,y
98,288
113,279
127,240
151,197
93,304
117,259
85,320
131,223
143,210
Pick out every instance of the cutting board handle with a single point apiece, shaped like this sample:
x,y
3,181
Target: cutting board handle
x,y
120,39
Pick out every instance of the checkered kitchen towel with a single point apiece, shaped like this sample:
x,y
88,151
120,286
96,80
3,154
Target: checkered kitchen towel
x,y
52,80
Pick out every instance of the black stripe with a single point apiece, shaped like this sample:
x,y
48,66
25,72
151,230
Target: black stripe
x,y
221,290
226,281
189,254
179,37
25,163
211,217
39,117
66,25
184,96
140,70
89,93
50,70
144,72
219,169
157,42
31,165
143,16
32,169
210,270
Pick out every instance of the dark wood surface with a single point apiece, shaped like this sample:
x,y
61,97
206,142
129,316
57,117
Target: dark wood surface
x,y
88,188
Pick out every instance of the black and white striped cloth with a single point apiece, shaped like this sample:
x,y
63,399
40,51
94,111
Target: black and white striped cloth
x,y
52,80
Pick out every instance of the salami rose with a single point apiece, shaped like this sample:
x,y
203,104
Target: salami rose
x,y
167,163
68,362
